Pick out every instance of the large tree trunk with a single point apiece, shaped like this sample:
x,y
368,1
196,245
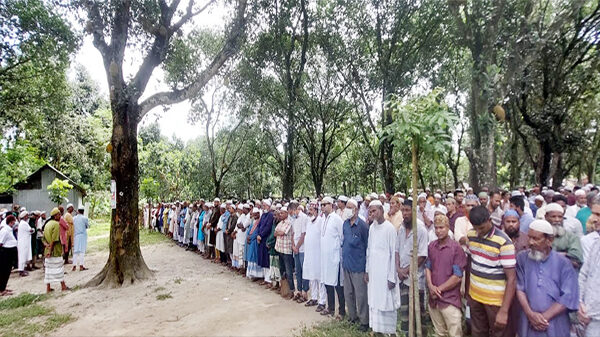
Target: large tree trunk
x,y
482,155
125,263
545,162
289,160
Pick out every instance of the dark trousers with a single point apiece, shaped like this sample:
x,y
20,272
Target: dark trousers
x,y
8,256
340,294
286,268
483,317
68,251
405,301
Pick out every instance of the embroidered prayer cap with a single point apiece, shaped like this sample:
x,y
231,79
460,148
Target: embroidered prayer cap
x,y
542,226
375,203
554,207
54,211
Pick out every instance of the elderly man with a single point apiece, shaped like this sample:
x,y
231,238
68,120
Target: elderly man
x,y
569,223
383,290
404,251
265,227
354,258
546,285
80,227
483,198
424,211
564,242
394,216
492,275
580,202
311,268
331,249
585,212
54,264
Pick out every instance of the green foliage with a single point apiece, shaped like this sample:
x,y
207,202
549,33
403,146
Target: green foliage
x,y
149,189
424,120
17,160
58,190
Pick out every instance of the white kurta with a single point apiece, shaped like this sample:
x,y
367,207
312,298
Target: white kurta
x,y
220,240
24,244
381,267
311,267
331,250
193,229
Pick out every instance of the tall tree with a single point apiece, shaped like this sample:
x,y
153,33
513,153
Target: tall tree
x,y
152,27
387,47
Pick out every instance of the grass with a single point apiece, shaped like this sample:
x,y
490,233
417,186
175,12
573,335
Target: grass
x,y
24,315
162,297
178,280
335,328
101,228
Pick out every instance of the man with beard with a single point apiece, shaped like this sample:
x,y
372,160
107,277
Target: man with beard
x,y
404,251
511,226
494,208
547,286
565,242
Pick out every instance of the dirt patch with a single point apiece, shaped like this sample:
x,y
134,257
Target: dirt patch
x,y
205,300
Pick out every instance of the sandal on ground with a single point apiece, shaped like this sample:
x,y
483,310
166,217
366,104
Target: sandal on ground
x,y
301,299
310,303
326,312
83,268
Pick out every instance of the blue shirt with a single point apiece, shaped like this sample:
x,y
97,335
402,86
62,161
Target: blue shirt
x,y
524,221
354,246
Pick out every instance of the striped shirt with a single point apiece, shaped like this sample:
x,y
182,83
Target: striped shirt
x,y
489,256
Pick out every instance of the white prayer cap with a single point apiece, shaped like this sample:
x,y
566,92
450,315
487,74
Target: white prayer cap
x,y
22,209
327,200
283,209
515,193
216,200
240,206
568,188
358,198
401,200
450,195
542,226
422,195
441,210
267,201
437,196
36,212
373,196
375,203
278,206
382,195
343,198
579,192
255,210
539,197
70,205
229,202
23,214
246,206
554,207
43,212
223,206
353,202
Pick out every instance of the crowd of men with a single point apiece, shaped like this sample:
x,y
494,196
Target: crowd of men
x,y
507,263
31,240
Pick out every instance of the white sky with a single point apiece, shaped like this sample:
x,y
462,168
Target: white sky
x,y
174,121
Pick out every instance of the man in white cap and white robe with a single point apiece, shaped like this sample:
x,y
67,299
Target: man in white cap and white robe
x,y
24,242
331,251
381,277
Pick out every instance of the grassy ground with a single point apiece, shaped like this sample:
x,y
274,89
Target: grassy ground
x,y
335,328
99,232
24,315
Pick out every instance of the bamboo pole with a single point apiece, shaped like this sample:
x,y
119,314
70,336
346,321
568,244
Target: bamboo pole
x,y
414,289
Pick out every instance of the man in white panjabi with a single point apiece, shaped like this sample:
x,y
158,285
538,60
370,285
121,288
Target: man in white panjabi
x,y
311,267
383,290
239,243
24,242
331,251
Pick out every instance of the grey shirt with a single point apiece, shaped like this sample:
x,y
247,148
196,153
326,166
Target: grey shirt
x,y
588,283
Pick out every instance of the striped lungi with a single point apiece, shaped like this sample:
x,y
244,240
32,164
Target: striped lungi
x,y
383,321
54,270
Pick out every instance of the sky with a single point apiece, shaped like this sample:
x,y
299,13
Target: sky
x,y
174,120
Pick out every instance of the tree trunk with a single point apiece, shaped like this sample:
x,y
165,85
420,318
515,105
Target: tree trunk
x,y
289,163
217,184
386,151
414,306
559,171
125,263
544,166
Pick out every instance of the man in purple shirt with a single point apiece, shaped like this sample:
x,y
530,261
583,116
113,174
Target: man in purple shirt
x,y
547,286
444,270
